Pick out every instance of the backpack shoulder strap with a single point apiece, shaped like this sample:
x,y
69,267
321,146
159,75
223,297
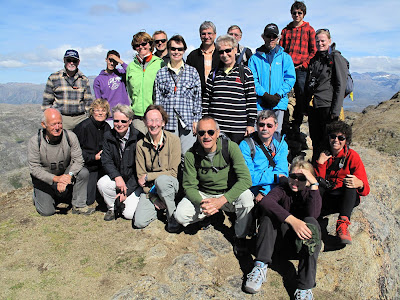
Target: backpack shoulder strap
x,y
252,146
225,151
39,138
241,74
67,137
240,58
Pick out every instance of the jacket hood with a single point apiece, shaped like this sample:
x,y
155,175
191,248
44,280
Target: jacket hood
x,y
291,25
278,49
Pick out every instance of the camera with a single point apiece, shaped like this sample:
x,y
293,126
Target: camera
x,y
325,184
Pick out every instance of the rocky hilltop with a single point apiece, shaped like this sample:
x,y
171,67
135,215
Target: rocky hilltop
x,y
78,257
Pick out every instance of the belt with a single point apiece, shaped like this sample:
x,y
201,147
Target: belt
x,y
74,115
135,117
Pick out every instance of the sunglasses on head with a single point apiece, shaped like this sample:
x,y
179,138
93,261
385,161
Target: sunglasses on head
x,y
160,41
141,44
225,50
269,125
299,177
340,137
271,36
203,132
180,49
122,121
72,60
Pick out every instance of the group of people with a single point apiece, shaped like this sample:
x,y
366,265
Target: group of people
x,y
209,126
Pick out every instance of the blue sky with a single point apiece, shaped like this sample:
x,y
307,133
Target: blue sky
x,y
35,34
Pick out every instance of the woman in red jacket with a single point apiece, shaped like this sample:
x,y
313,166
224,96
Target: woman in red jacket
x,y
342,178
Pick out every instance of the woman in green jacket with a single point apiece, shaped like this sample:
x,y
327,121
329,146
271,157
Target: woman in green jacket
x,y
140,76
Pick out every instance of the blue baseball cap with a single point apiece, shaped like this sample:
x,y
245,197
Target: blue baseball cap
x,y
71,53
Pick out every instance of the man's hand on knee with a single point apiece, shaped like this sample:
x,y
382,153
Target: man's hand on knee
x,y
211,206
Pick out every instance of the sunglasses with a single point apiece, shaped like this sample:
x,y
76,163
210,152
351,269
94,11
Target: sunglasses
x,y
122,121
229,50
295,13
322,30
160,41
69,60
298,177
141,44
271,36
340,137
269,125
203,132
181,49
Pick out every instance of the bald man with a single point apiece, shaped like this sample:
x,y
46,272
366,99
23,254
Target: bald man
x,y
56,167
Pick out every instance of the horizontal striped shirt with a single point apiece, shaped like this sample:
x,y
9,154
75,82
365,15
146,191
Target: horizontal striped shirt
x,y
230,102
70,95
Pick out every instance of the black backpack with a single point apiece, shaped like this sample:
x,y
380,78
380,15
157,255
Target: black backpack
x,y
225,155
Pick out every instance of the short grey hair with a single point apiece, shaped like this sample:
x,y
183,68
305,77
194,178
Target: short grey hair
x,y
226,39
205,118
266,114
123,109
206,25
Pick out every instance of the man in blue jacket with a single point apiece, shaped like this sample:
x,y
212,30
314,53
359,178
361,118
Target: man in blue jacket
x,y
274,74
265,155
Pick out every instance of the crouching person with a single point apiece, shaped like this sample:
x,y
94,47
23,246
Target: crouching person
x,y
289,229
56,167
215,177
158,156
118,160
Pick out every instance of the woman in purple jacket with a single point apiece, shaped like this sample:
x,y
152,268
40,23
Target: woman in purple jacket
x,y
289,225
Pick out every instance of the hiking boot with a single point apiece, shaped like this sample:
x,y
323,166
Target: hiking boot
x,y
256,277
83,210
173,226
240,246
109,216
303,294
342,230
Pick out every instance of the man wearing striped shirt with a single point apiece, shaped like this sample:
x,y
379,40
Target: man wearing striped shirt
x,y
178,90
68,91
230,96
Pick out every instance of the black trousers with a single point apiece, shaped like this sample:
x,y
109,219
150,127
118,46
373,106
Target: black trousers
x,y
278,239
341,200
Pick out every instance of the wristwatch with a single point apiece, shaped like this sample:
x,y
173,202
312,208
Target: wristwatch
x,y
315,183
71,174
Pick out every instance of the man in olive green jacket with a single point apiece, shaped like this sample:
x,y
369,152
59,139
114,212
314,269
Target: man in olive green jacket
x,y
214,181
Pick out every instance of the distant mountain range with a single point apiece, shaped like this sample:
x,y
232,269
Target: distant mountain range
x,y
369,89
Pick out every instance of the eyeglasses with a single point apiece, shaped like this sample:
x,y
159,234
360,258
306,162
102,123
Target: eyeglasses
x,y
72,60
269,125
234,34
229,50
122,121
340,137
203,132
99,111
151,121
160,41
298,177
294,13
141,44
181,49
271,36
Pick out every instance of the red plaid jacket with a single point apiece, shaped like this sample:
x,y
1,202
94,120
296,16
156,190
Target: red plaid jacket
x,y
299,43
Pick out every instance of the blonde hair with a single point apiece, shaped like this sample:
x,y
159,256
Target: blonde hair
x,y
100,103
299,163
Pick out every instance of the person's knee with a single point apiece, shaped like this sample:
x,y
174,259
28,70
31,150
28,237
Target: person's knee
x,y
140,223
83,174
45,211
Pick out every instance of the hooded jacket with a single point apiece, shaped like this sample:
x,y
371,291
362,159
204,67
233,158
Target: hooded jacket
x,y
264,177
112,87
139,83
299,43
329,68
273,73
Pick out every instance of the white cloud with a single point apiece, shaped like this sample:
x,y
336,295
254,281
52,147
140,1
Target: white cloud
x,y
375,64
129,7
10,63
98,10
